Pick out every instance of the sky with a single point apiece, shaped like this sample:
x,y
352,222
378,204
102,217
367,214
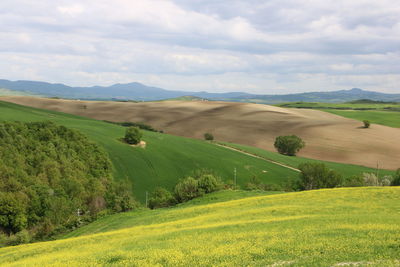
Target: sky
x,y
264,47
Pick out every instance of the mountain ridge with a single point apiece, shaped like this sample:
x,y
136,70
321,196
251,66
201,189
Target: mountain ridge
x,y
141,92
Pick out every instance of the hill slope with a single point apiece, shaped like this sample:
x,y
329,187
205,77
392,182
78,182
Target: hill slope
x,y
337,227
327,136
165,159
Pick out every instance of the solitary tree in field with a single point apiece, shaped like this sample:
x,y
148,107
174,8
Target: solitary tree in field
x,y
133,135
208,137
289,145
366,123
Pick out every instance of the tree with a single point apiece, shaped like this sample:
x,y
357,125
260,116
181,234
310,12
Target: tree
x,y
289,145
317,175
366,123
187,189
12,213
133,135
209,183
208,137
396,179
161,198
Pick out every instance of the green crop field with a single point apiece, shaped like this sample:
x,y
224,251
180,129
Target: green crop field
x,y
7,92
345,169
350,105
168,158
331,227
165,159
387,114
388,118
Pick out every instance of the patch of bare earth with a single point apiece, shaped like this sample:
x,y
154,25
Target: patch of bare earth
x,y
141,144
327,136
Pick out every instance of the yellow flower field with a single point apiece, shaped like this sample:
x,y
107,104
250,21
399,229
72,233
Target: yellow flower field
x,y
332,227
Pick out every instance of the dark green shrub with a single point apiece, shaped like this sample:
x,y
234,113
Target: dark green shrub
x,y
161,198
317,175
187,189
133,135
12,213
254,184
208,137
209,183
354,181
21,237
289,145
396,178
366,123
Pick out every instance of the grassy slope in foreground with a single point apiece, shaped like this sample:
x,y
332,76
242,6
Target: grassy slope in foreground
x,y
165,159
310,228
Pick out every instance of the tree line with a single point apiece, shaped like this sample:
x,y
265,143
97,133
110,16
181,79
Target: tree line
x,y
53,179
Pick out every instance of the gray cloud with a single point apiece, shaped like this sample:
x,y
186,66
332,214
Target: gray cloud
x,y
275,46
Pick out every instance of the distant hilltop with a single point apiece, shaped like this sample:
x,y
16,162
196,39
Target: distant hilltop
x,y
140,92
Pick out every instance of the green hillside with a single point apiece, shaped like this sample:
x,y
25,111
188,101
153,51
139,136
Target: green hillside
x,y
168,158
332,227
7,92
387,118
165,159
387,114
345,169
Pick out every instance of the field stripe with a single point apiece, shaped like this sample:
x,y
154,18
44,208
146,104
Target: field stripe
x,y
256,156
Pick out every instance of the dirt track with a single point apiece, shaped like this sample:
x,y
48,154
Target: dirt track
x,y
327,136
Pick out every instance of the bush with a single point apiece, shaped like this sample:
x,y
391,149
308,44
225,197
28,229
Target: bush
x,y
133,135
161,198
187,189
254,184
317,175
289,145
354,181
208,137
370,179
21,237
366,123
208,183
396,179
386,180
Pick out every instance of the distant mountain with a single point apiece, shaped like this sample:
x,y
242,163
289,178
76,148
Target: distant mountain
x,y
328,97
141,92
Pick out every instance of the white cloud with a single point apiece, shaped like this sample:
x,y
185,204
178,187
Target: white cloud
x,y
271,46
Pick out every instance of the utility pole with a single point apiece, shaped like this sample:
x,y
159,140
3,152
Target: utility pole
x,y
234,172
377,169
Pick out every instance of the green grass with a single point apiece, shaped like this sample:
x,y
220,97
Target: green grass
x,y
144,216
165,159
387,118
168,158
331,227
387,114
346,170
349,105
7,92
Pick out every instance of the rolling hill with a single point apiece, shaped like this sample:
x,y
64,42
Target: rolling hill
x,y
166,158
328,137
384,113
335,227
141,92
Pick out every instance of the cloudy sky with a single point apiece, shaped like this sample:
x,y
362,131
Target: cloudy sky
x,y
271,46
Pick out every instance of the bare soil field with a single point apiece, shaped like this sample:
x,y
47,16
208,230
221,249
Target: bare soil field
x,y
327,136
